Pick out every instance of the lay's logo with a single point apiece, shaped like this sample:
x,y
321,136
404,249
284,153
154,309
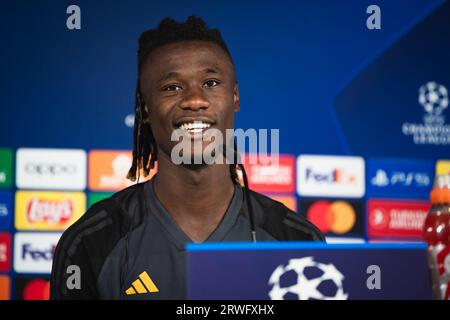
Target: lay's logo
x,y
52,211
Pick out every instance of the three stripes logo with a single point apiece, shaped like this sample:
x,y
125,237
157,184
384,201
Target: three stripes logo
x,y
143,284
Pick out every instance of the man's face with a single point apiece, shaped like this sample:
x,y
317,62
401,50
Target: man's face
x,y
185,82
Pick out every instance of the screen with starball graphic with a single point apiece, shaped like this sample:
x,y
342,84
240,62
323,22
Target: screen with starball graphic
x,y
202,152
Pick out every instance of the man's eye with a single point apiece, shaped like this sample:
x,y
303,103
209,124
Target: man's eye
x,y
172,87
211,83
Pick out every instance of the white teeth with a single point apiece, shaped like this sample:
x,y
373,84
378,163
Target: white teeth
x,y
195,126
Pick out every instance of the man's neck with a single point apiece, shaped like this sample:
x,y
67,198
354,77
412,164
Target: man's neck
x,y
197,199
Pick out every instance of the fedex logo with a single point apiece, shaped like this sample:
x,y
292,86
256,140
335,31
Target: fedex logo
x,y
33,252
334,176
330,176
399,178
36,254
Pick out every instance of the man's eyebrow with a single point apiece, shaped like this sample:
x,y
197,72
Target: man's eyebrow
x,y
174,74
168,75
214,69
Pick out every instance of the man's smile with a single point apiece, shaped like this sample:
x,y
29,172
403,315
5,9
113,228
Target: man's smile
x,y
194,125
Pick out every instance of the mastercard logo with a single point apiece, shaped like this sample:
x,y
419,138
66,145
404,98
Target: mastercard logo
x,y
337,216
37,289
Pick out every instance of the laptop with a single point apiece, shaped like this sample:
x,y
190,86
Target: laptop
x,y
307,271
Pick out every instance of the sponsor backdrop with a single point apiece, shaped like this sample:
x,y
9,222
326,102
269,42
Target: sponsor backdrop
x,y
363,114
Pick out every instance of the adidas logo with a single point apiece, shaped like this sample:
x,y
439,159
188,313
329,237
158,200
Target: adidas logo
x,y
143,284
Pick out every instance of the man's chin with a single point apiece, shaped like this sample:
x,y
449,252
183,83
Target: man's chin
x,y
195,167
198,160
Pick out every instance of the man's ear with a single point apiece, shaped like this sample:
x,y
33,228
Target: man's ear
x,y
146,110
147,114
236,100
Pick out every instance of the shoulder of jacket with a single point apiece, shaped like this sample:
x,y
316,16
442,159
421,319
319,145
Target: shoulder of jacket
x,y
283,223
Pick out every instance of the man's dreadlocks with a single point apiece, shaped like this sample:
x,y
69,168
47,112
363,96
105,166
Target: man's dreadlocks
x,y
169,31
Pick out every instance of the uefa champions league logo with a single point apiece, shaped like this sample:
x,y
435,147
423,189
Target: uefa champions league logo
x,y
433,97
308,280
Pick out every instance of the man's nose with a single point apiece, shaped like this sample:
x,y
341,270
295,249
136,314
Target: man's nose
x,y
194,100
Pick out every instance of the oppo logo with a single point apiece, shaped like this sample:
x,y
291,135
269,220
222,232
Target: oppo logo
x,y
63,169
50,168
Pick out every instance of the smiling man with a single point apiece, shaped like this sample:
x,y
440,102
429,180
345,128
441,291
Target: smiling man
x,y
132,245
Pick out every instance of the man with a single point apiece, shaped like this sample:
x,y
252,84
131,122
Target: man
x,y
186,80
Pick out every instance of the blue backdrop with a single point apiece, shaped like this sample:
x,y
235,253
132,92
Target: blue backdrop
x,y
310,68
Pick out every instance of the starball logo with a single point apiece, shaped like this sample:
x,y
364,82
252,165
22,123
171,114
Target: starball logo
x,y
433,97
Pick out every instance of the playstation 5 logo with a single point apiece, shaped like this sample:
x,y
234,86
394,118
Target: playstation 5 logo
x,y
401,178
381,179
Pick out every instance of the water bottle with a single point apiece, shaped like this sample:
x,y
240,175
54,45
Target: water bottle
x,y
437,235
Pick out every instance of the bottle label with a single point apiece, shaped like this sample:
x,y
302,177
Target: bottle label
x,y
440,264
